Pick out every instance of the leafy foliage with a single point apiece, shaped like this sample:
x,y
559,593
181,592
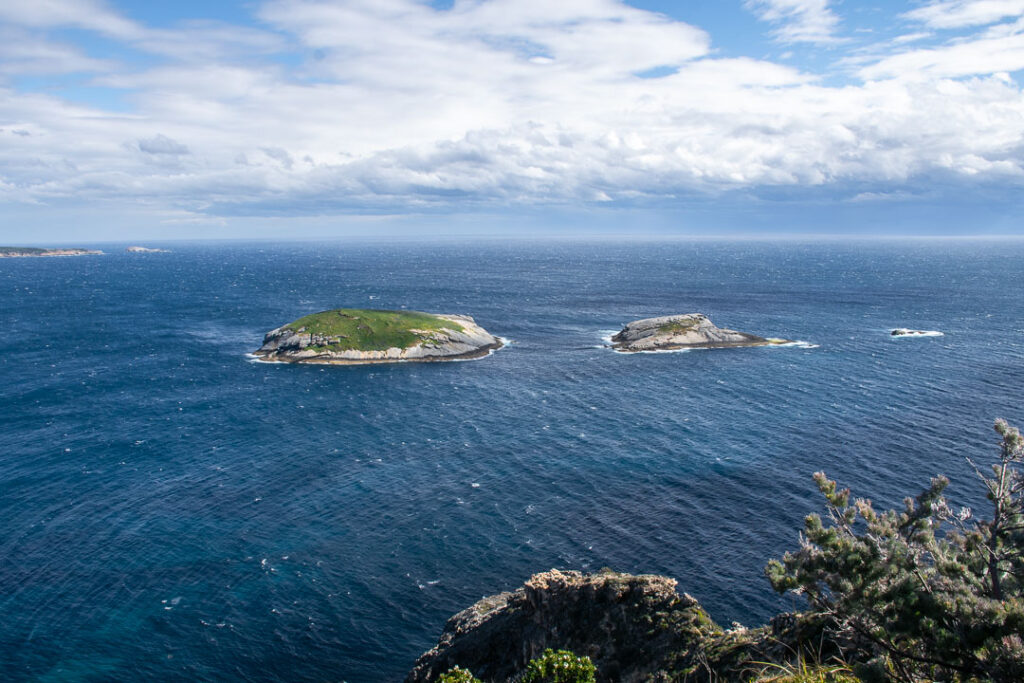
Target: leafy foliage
x,y
458,675
559,667
551,667
931,593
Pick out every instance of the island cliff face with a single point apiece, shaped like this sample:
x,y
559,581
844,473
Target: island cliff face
x,y
633,628
357,336
691,330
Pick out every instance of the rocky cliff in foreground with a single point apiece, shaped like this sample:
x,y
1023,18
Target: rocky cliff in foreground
x,y
690,330
633,628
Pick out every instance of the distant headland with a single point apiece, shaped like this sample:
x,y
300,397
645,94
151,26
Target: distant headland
x,y
28,252
687,331
350,336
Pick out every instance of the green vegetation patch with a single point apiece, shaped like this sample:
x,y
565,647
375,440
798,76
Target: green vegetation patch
x,y
372,330
677,326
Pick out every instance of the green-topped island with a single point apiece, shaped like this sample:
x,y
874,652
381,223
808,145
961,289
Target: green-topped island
x,y
349,336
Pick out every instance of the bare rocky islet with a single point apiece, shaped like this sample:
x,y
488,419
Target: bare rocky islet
x,y
686,331
350,336
145,250
906,332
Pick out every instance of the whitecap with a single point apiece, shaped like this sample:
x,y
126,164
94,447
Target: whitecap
x,y
795,345
253,358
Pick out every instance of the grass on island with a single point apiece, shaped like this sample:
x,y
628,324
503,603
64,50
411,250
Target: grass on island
x,y
372,330
678,326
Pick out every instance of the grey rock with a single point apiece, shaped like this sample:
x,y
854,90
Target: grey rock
x,y
690,330
607,616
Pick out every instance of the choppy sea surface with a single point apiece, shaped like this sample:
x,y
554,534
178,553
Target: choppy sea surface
x,y
172,510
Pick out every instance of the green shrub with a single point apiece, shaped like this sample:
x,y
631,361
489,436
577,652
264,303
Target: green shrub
x,y
559,667
458,675
802,672
932,593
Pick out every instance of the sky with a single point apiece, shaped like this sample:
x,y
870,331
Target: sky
x,y
126,119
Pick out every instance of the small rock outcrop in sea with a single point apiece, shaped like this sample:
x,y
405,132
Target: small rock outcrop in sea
x,y
23,252
691,330
145,250
633,628
904,332
355,336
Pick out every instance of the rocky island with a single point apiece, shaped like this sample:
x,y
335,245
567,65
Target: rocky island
x,y
690,330
904,332
25,252
145,250
349,336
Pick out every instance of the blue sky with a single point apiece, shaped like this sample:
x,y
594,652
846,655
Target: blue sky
x,y
123,119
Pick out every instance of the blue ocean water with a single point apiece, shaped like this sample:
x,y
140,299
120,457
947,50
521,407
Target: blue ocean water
x,y
171,510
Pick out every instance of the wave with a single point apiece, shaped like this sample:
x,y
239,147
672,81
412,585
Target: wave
x,y
797,344
253,358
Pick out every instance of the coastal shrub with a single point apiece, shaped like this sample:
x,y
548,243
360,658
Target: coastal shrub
x,y
804,672
559,667
458,675
928,592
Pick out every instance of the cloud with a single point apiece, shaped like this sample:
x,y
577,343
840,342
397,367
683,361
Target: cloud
x,y
161,144
798,21
93,15
949,14
396,106
998,49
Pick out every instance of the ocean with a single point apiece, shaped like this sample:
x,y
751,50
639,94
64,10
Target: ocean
x,y
172,510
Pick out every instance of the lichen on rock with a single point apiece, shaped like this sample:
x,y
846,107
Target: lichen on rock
x,y
689,330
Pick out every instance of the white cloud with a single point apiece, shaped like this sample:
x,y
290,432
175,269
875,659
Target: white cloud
x,y
397,106
798,21
998,49
946,14
94,15
23,53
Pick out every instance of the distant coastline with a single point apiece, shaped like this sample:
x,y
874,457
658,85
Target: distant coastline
x,y
34,252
